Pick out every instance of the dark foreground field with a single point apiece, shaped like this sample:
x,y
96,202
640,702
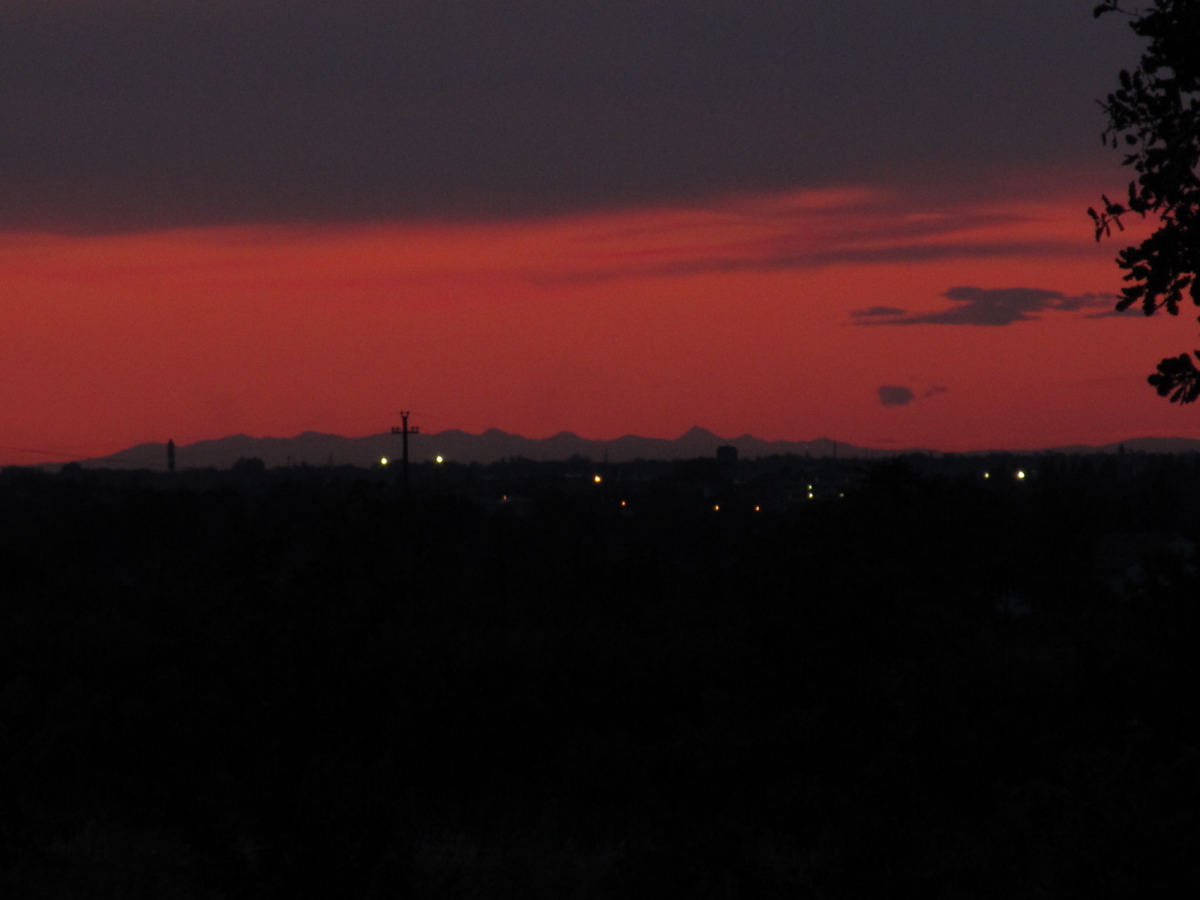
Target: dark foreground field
x,y
299,683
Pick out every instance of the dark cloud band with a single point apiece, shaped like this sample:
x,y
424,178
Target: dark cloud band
x,y
149,113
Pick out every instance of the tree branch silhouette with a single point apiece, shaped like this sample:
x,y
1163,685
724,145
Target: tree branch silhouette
x,y
1155,114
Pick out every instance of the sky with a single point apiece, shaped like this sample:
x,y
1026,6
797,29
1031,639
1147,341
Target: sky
x,y
864,220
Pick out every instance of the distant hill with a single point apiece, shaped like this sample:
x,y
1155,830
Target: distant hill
x,y
315,449
1151,445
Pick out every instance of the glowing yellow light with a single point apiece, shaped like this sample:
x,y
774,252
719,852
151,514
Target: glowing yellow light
x,y
622,502
757,508
1020,474
597,479
438,459
987,474
383,461
810,496
716,508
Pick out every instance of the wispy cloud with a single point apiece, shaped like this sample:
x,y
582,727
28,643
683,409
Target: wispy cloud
x,y
1112,312
873,312
795,233
990,306
816,259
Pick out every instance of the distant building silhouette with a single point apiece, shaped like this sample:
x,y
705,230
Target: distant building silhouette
x,y
727,455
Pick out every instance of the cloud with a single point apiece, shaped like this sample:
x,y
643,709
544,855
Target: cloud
x,y
992,307
875,311
1134,311
808,230
899,395
775,261
895,395
130,114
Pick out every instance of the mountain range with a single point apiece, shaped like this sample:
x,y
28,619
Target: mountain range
x,y
316,449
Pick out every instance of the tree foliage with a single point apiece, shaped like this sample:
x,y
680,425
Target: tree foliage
x,y
1155,115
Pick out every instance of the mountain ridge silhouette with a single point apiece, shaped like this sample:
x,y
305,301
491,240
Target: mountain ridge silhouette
x,y
319,449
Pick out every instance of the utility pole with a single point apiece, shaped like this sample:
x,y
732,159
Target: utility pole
x,y
404,431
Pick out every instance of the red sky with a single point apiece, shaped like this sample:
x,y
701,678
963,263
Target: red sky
x,y
617,218
736,316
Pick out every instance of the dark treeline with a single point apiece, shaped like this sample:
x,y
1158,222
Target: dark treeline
x,y
684,679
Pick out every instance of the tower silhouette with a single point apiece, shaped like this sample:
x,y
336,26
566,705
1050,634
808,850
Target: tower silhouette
x,y
404,431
